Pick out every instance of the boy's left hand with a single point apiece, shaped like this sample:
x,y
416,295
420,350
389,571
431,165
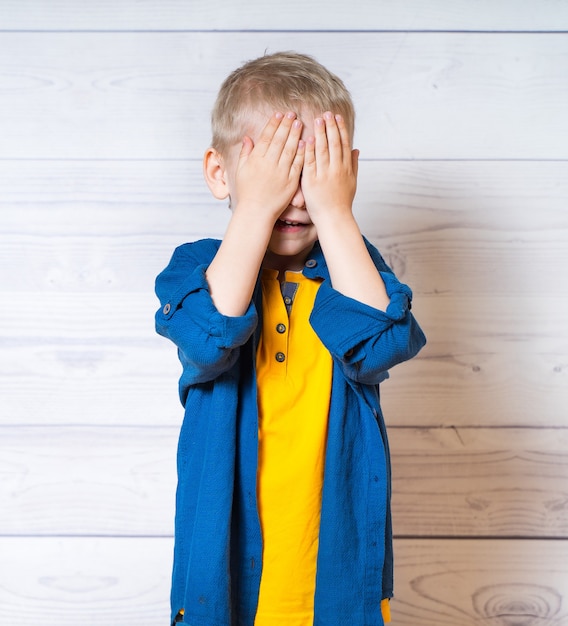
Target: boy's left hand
x,y
329,176
329,182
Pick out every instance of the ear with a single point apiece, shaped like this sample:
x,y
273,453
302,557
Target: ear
x,y
215,174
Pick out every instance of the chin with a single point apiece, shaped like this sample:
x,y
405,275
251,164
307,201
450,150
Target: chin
x,y
287,250
291,257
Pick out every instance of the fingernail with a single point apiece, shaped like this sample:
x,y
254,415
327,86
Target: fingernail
x,y
338,118
290,115
297,124
328,115
278,116
319,121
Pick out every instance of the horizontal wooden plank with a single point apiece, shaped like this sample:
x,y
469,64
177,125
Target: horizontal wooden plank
x,y
498,583
491,386
56,582
117,481
102,481
94,198
480,482
148,95
449,262
90,382
513,324
506,15
494,362
456,326
446,228
95,581
95,358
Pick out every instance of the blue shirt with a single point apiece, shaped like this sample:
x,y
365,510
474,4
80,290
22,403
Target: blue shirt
x,y
218,543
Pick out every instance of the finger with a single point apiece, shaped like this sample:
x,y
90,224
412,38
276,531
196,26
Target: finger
x,y
334,144
310,155
291,145
321,148
344,135
268,132
298,162
282,135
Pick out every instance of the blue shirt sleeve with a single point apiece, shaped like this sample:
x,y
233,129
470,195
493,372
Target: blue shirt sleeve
x,y
208,342
366,341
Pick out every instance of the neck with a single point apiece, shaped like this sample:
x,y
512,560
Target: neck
x,y
285,263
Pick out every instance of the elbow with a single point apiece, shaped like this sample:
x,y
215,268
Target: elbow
x,y
369,363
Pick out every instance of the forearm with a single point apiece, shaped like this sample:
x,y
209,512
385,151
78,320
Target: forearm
x,y
351,268
364,340
208,342
233,272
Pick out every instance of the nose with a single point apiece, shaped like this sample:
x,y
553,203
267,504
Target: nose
x,y
298,200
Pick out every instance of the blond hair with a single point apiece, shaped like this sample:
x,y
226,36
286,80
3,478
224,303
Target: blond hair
x,y
283,81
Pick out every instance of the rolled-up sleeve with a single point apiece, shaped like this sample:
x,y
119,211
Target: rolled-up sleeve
x,y
208,342
366,341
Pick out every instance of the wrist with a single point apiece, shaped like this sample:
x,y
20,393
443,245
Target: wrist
x,y
334,217
256,214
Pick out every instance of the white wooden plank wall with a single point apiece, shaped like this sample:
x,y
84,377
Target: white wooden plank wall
x,y
463,130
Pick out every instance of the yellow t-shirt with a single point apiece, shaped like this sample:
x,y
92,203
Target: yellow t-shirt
x,y
294,384
294,377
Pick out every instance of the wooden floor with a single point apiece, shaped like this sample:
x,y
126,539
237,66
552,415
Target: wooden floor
x,y
463,185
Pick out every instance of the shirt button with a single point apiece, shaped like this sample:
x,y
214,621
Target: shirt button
x,y
167,309
280,328
311,263
287,300
280,357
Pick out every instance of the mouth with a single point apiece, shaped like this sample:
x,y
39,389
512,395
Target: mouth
x,y
289,226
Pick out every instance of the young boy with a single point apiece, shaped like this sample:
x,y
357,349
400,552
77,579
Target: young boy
x,y
285,329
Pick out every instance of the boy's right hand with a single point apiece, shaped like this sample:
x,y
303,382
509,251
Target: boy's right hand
x,y
268,171
264,179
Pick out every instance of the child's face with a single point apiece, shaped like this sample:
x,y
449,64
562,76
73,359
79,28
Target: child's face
x,y
294,234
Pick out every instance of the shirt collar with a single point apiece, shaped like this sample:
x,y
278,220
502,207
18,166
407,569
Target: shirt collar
x,y
315,265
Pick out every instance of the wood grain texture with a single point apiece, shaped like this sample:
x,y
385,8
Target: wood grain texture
x,y
445,227
501,482
466,376
120,481
83,241
60,581
101,581
492,583
78,376
418,95
463,185
504,15
169,197
445,262
491,361
98,481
